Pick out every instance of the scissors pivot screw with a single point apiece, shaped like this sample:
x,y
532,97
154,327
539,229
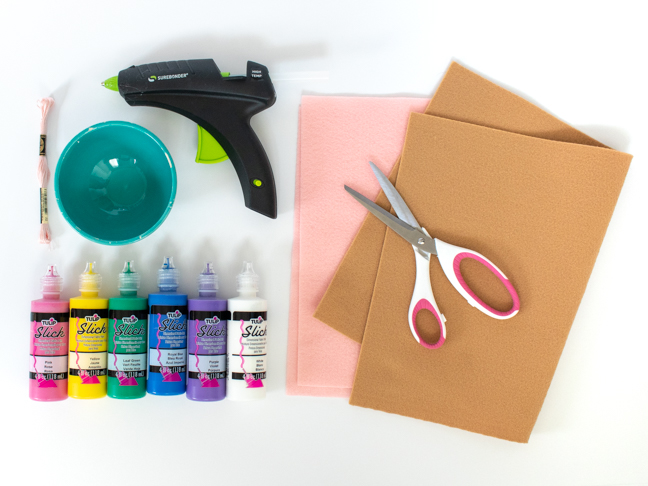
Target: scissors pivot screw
x,y
421,241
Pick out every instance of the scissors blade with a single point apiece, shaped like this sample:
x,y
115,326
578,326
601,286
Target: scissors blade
x,y
414,236
396,200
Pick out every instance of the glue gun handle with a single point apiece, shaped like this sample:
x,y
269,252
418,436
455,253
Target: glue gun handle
x,y
250,162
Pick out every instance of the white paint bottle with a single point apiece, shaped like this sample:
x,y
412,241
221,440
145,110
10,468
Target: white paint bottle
x,y
246,339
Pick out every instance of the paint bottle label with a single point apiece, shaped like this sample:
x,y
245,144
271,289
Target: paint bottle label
x,y
127,347
88,344
247,349
49,349
207,355
168,342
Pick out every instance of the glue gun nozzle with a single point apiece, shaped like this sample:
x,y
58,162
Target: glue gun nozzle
x,y
111,84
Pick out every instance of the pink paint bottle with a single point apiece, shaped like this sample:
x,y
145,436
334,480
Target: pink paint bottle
x,y
48,348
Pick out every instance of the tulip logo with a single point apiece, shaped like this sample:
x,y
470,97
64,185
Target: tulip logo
x,y
130,320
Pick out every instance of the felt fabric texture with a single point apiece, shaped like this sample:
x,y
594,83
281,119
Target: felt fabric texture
x,y
337,136
292,386
463,96
538,208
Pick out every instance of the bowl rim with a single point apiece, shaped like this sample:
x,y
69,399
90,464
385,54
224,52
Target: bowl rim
x,y
107,124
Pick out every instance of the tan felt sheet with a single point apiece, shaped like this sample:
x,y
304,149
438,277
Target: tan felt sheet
x,y
536,204
462,96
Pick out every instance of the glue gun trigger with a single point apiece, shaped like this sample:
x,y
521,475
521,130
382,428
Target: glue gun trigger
x,y
209,150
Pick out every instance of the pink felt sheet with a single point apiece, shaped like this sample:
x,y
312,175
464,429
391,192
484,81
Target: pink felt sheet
x,y
337,138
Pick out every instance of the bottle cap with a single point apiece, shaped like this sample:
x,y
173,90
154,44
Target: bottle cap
x,y
168,276
129,279
51,283
89,281
208,281
247,280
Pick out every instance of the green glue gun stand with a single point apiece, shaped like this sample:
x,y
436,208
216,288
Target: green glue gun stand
x,y
222,106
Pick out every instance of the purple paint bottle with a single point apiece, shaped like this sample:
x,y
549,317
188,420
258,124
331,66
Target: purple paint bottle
x,y
207,340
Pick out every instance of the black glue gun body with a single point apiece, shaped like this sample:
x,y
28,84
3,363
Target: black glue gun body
x,y
222,105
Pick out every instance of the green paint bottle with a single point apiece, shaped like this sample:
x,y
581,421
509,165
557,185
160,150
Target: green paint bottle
x,y
127,332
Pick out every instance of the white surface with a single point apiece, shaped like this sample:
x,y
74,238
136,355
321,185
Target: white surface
x,y
584,61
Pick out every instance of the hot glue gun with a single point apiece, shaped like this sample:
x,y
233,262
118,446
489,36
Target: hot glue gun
x,y
222,106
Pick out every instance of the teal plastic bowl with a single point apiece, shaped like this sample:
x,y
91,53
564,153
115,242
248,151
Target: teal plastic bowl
x,y
115,183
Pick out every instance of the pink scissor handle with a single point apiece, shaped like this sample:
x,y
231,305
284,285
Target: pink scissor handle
x,y
450,258
422,298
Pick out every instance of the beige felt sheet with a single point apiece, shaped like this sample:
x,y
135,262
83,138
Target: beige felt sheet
x,y
487,170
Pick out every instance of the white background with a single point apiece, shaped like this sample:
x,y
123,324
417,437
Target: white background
x,y
583,61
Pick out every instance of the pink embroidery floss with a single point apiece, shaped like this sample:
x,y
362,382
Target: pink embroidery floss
x,y
43,170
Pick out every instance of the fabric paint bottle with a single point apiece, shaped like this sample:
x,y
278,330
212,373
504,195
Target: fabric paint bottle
x,y
207,340
246,339
127,332
48,348
88,338
167,372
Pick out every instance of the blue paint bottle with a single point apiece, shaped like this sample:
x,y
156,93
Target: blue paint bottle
x,y
167,371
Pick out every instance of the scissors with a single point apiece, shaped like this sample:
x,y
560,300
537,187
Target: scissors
x,y
450,258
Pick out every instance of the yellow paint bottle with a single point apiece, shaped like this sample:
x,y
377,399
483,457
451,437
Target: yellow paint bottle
x,y
88,338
